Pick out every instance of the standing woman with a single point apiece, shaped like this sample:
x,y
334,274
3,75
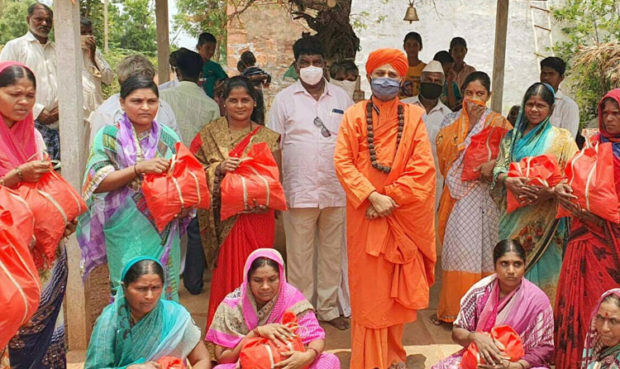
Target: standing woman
x,y
592,256
118,226
37,344
220,146
468,216
534,224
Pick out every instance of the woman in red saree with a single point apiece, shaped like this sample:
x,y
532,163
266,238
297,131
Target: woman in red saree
x,y
220,146
592,256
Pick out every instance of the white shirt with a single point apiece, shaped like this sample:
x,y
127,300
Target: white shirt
x,y
41,59
432,121
309,177
565,113
92,77
192,108
110,112
170,84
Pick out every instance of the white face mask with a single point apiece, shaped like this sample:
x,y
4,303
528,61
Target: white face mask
x,y
311,75
348,86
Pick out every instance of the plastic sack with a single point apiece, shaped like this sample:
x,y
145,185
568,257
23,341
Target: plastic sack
x,y
21,288
513,347
542,170
483,148
262,353
23,219
54,204
183,186
171,362
590,174
256,181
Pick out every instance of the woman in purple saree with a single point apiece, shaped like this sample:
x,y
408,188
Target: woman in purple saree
x,y
256,309
504,298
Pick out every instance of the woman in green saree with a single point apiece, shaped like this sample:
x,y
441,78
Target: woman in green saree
x,y
118,225
139,328
534,225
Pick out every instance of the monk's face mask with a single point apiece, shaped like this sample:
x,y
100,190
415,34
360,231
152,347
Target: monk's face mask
x,y
385,88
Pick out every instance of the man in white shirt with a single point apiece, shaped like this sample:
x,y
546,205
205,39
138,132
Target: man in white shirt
x,y
565,112
109,112
308,114
96,70
191,105
35,50
431,88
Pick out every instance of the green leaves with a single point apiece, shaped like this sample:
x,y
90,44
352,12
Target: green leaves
x,y
586,23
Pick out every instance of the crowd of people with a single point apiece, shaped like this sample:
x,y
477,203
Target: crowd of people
x,y
375,188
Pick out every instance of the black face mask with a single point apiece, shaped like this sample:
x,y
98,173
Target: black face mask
x,y
430,90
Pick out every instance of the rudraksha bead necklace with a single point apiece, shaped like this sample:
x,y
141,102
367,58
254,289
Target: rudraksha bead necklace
x,y
371,136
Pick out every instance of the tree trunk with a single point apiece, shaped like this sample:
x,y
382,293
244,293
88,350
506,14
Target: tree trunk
x,y
332,26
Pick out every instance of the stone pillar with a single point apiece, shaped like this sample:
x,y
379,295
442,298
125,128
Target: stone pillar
x,y
163,43
499,57
70,106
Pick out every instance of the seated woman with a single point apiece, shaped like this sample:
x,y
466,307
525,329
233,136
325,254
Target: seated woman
x,y
139,328
255,309
602,346
504,298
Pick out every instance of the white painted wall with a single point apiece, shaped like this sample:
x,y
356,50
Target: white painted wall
x,y
440,20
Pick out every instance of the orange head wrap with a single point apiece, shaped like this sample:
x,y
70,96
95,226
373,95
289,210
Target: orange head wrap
x,y
394,57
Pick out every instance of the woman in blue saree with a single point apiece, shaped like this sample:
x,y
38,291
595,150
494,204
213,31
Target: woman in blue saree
x,y
140,328
534,225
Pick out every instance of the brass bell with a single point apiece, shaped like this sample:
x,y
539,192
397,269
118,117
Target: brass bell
x,y
411,15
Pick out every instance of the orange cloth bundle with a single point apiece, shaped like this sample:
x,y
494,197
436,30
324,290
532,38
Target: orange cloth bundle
x,y
262,353
590,174
483,148
183,186
542,170
54,204
171,362
255,182
21,288
513,347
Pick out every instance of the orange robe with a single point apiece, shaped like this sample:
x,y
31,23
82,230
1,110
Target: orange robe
x,y
391,259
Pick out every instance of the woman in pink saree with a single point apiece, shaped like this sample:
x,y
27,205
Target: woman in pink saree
x,y
256,308
504,298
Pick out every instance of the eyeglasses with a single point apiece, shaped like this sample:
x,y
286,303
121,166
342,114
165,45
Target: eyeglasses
x,y
319,123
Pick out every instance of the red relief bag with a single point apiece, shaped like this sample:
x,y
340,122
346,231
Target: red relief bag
x,y
21,288
590,174
54,204
513,347
542,170
262,353
483,148
171,362
183,186
255,181
23,219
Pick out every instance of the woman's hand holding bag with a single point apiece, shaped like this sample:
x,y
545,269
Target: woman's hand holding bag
x,y
55,205
590,179
173,192
531,180
253,186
